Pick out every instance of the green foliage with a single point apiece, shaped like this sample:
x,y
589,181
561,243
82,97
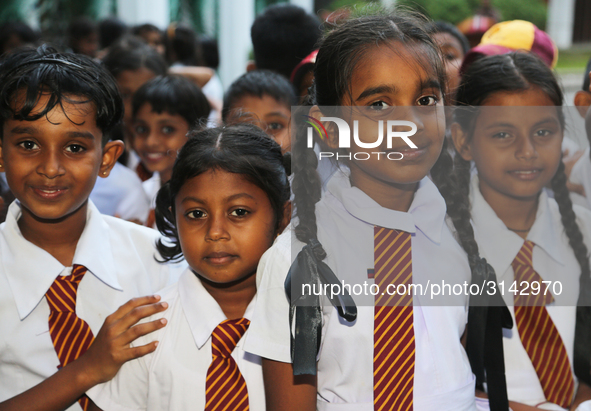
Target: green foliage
x,y
530,10
452,11
353,4
455,11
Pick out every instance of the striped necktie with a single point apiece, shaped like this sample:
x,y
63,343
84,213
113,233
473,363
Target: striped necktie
x,y
70,334
225,388
394,339
538,334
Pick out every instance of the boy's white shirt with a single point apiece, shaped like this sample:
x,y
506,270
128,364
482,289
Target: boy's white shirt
x,y
553,260
345,216
120,259
173,377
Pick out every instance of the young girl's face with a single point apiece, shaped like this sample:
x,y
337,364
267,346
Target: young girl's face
x,y
516,149
225,223
391,84
157,139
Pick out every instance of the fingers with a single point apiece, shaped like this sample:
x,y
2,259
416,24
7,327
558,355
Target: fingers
x,y
140,330
131,305
137,352
138,313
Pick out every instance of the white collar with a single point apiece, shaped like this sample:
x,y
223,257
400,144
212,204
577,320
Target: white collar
x,y
202,311
502,245
30,270
426,212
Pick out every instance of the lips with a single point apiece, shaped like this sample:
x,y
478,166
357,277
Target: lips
x,y
410,153
49,192
154,157
526,174
220,258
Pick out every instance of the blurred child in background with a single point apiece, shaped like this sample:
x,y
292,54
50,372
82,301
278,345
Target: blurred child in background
x,y
164,110
282,36
262,98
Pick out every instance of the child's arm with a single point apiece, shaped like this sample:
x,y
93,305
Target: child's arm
x,y
198,75
286,392
583,394
110,349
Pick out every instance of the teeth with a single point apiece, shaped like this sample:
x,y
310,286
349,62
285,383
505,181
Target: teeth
x,y
154,156
526,172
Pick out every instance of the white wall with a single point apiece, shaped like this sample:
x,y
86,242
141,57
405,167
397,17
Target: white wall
x,y
236,17
135,12
561,14
307,5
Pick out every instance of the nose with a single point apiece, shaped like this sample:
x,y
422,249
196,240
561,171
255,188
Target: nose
x,y
51,165
526,148
216,229
152,139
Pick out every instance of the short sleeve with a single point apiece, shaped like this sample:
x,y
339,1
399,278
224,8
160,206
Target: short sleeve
x,y
128,391
268,334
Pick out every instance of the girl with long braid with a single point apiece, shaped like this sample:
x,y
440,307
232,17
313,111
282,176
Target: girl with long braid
x,y
535,243
374,218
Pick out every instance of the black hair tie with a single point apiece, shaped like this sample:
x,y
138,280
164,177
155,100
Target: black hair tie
x,y
305,341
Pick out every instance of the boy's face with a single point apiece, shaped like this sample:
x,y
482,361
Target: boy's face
x,y
157,139
266,113
52,163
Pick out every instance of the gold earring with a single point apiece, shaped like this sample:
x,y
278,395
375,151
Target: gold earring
x,y
104,173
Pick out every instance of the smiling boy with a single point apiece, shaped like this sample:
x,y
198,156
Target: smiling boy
x,y
64,267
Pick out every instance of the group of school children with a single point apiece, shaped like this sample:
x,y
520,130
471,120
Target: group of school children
x,y
192,302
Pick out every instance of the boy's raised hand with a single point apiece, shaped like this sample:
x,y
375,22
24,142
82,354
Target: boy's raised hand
x,y
109,351
111,347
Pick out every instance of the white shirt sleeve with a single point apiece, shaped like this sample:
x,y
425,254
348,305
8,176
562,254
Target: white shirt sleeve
x,y
268,334
128,391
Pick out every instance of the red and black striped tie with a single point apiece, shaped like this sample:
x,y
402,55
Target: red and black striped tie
x,y
537,331
70,334
225,388
394,338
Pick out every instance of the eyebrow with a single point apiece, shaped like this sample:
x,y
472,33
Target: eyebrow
x,y
429,83
24,130
376,90
277,113
495,125
227,199
550,119
80,134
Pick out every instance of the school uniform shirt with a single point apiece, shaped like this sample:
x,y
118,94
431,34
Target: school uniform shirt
x,y
581,174
173,376
120,258
151,187
121,194
346,217
553,260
